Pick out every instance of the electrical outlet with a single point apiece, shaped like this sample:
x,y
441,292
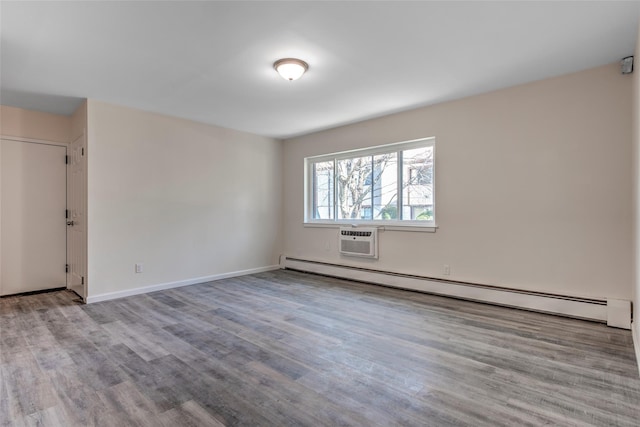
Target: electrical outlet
x,y
446,270
138,268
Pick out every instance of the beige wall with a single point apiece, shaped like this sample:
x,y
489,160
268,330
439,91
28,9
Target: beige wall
x,y
533,187
187,200
34,124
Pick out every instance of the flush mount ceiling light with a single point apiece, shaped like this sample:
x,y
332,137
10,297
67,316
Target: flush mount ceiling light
x,y
290,68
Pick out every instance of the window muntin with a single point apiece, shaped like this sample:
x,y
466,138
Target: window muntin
x,y
390,184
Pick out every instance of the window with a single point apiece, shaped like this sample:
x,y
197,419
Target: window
x,y
390,184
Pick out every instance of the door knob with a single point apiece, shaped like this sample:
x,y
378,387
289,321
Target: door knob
x,y
70,223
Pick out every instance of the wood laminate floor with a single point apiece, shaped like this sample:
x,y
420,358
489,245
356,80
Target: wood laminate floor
x,y
286,348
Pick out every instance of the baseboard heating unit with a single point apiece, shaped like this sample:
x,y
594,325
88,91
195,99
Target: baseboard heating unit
x,y
600,310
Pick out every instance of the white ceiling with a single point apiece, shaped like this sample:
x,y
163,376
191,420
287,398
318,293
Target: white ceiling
x,y
212,61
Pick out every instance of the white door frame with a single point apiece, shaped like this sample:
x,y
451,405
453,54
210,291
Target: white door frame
x,y
77,209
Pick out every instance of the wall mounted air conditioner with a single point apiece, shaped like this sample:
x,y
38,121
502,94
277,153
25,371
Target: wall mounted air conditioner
x,y
360,242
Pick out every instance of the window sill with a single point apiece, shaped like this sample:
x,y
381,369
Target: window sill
x,y
382,227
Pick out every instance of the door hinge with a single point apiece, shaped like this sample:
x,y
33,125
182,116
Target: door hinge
x,y
82,282
66,268
66,213
66,160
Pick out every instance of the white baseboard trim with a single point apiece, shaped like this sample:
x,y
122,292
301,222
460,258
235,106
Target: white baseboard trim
x,y
582,308
635,335
159,287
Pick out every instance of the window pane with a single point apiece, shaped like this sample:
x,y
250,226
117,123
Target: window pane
x,y
417,184
323,190
354,181
385,186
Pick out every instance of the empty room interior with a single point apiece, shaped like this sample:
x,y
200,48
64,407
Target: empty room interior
x,y
313,213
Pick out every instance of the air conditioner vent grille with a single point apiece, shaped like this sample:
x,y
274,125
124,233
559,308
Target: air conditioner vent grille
x,y
356,233
360,242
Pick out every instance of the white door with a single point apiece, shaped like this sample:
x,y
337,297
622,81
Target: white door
x,y
33,203
77,219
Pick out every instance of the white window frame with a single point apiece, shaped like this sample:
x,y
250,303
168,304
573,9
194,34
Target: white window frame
x,y
396,224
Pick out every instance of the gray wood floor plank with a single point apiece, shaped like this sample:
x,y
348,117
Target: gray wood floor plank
x,y
130,405
78,399
137,342
189,414
29,385
285,348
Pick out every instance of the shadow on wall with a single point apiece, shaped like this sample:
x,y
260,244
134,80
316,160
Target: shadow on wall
x,y
48,103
